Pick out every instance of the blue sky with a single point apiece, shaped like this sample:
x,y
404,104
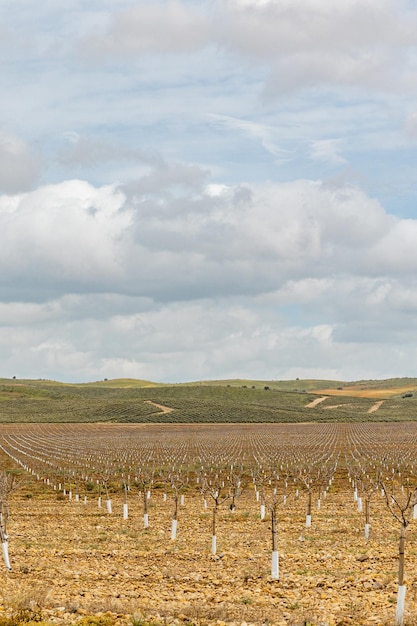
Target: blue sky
x,y
213,189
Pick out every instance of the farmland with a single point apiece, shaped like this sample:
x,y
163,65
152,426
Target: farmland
x,y
210,503
128,401
95,560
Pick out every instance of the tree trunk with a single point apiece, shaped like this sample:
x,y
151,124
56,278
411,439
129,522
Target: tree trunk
x,y
399,615
401,551
308,516
275,558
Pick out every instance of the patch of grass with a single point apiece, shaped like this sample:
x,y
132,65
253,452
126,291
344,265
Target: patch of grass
x,y
246,600
25,617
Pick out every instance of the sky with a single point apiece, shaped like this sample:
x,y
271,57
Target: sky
x,y
208,189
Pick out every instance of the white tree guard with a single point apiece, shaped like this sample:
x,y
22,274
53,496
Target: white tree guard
x,y
308,521
359,504
99,502
355,495
275,565
125,510
164,497
109,506
262,511
174,529
145,520
182,500
77,497
399,614
318,503
367,531
415,511
5,551
213,544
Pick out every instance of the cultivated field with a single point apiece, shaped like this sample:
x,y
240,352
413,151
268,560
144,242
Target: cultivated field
x,y
125,401
72,558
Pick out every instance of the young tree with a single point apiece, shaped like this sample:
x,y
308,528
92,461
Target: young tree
x,y
8,483
177,481
144,479
400,499
214,490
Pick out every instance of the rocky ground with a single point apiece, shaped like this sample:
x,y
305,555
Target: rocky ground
x,y
72,559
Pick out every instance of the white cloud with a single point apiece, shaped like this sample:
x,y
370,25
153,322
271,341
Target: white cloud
x,y
59,234
214,236
172,26
267,135
328,151
152,242
198,340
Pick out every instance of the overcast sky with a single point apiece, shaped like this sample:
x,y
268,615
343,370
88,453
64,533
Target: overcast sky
x,y
208,189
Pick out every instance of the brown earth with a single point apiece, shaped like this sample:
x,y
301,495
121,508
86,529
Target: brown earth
x,y
71,559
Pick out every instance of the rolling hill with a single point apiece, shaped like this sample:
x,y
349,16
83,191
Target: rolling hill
x,y
131,400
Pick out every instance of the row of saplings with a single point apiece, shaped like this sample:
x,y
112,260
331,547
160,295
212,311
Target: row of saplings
x,y
400,496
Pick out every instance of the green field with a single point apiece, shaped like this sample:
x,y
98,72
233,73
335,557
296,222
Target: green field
x,y
129,400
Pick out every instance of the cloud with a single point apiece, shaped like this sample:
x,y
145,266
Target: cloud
x,y
19,165
60,235
327,151
199,340
264,281
302,44
267,135
88,151
171,26
184,243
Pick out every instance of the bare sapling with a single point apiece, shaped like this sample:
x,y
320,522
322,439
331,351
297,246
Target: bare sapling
x,y
99,494
369,483
125,502
313,475
145,480
162,476
324,481
105,482
8,483
204,489
272,505
306,479
236,486
271,498
401,508
177,483
215,492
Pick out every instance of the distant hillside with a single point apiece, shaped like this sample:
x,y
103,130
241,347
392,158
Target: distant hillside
x,y
130,400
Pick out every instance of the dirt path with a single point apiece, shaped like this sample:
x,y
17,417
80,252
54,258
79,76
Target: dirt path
x,y
375,406
164,409
315,402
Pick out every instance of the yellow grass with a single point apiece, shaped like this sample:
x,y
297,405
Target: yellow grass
x,y
359,392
